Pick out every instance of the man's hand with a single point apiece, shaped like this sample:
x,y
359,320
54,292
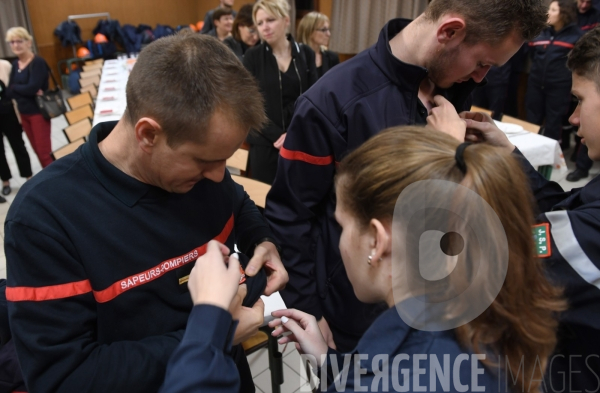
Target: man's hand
x,y
266,255
326,332
443,117
249,319
481,128
211,280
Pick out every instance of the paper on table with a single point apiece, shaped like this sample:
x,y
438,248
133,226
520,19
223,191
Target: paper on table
x,y
272,303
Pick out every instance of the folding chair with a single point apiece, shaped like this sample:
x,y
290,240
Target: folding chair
x,y
78,130
92,62
78,114
89,74
91,89
92,67
79,100
526,126
67,149
93,80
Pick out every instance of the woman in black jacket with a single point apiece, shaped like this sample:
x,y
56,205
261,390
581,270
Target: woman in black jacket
x,y
284,70
243,35
313,30
549,87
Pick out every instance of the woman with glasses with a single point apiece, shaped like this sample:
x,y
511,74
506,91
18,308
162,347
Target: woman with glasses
x,y
244,34
28,78
284,70
314,31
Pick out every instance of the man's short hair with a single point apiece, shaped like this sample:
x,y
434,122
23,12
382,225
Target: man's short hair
x,y
181,80
584,59
491,21
219,12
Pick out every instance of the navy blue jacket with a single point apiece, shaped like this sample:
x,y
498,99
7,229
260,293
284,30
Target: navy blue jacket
x,y
201,362
390,337
573,263
549,53
95,262
589,19
68,32
356,100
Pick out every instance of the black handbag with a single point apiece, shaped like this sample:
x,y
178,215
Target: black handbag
x,y
51,102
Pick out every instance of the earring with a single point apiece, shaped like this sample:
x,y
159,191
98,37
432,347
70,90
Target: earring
x,y
370,259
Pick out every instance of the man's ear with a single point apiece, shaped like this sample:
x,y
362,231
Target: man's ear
x,y
451,29
147,133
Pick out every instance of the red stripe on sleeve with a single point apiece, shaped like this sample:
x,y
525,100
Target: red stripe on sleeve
x,y
158,271
564,44
293,155
538,43
51,292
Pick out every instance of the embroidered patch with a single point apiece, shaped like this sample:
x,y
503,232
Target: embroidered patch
x,y
541,237
185,279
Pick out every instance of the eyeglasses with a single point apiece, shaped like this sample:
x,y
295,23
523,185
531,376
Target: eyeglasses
x,y
251,30
324,30
16,42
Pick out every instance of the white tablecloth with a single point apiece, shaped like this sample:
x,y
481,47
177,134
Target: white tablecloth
x,y
538,149
111,101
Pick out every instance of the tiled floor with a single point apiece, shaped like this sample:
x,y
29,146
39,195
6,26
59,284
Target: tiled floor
x,y
295,378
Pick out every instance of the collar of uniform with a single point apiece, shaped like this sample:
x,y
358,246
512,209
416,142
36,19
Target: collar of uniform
x,y
410,75
124,187
388,325
397,71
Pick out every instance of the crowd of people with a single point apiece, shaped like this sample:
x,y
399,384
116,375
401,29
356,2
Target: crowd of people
x,y
400,226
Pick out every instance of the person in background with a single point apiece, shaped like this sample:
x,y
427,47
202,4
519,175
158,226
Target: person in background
x,y
549,87
493,95
244,34
314,31
446,51
284,70
223,21
208,18
588,17
517,328
28,78
11,128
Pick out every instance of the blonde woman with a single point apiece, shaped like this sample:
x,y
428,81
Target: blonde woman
x,y
284,70
10,127
28,78
314,31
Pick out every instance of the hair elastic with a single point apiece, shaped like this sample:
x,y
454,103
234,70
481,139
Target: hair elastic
x,y
460,160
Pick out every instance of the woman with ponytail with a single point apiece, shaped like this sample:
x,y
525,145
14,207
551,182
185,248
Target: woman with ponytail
x,y
406,172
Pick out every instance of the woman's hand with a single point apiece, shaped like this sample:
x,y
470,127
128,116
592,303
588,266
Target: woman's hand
x,y
305,332
40,92
212,281
279,142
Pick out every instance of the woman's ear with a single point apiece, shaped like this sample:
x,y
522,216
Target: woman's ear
x,y
380,242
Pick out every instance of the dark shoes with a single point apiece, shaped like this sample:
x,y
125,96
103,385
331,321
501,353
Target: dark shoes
x,y
6,190
2,200
577,175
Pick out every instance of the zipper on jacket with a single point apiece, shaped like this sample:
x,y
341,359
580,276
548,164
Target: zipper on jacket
x,y
281,92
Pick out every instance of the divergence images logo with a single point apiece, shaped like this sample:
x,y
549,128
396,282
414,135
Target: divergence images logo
x,y
449,255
